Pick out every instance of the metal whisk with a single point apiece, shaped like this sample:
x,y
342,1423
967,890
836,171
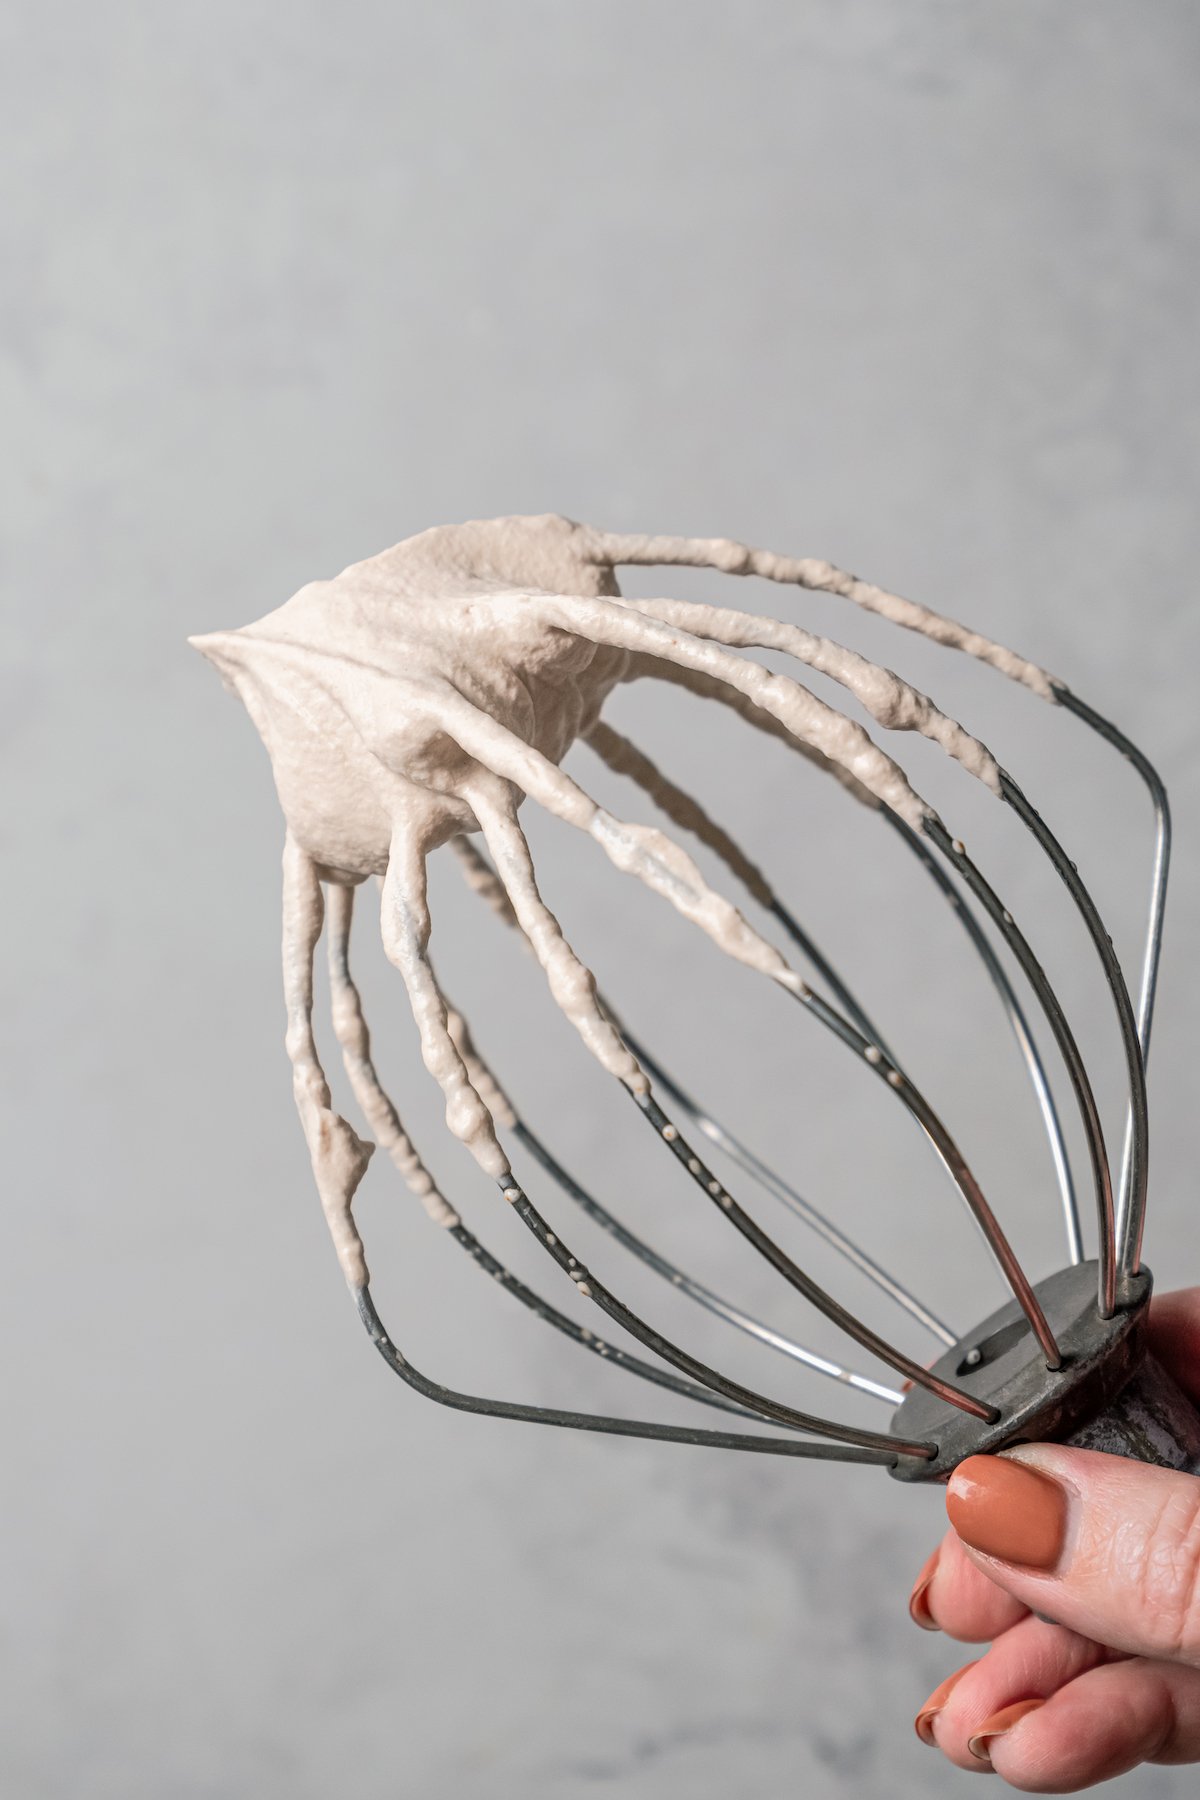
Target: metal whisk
x,y
380,756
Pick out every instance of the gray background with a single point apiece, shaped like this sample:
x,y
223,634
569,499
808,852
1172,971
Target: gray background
x,y
911,287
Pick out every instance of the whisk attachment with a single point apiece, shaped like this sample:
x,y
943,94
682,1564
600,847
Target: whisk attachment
x,y
360,703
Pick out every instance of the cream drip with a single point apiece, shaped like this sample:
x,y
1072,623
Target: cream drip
x,y
350,1028
624,758
338,1155
611,549
890,701
424,692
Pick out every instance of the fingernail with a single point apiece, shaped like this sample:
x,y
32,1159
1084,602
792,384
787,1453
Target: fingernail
x,y
1009,1510
923,1723
918,1601
980,1743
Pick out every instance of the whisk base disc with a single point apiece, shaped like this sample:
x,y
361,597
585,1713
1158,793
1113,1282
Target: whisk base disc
x,y
1001,1363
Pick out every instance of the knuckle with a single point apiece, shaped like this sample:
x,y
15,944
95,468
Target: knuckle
x,y
1170,1571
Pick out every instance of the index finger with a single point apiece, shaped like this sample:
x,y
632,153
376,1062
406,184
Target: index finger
x,y
954,1595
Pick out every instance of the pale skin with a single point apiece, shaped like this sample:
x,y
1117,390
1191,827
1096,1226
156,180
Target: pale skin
x,y
1118,1669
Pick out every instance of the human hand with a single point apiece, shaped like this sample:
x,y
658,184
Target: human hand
x,y
1109,1550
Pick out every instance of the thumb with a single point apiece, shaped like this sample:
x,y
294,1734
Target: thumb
x,y
1108,1547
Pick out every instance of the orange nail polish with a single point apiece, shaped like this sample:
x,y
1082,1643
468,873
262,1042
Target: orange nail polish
x,y
1008,1510
979,1744
923,1723
918,1601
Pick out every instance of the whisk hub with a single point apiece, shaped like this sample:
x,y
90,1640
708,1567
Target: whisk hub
x,y
1000,1362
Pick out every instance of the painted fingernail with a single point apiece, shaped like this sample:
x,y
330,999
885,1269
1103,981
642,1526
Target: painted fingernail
x,y
923,1723
918,1601
981,1741
1009,1510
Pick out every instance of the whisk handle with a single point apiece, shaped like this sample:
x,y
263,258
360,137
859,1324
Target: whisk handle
x,y
1151,1420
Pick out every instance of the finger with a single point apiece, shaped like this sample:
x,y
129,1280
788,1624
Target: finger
x,y
1102,1724
954,1596
1108,1547
1174,1333
1030,1661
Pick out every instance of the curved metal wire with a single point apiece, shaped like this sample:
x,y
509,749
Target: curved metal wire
x,y
955,852
774,1184
592,1289
625,758
1135,1032
1018,1024
1131,1212
739,559
950,1157
588,1340
368,1088
817,1295
866,1026
954,1160
1135,1068
883,1454
687,1284
715,1191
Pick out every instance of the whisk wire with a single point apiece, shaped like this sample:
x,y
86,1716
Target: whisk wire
x,y
590,1288
1018,1024
714,1190
955,852
884,1454
767,1178
953,1159
687,1284
1131,1208
589,1340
